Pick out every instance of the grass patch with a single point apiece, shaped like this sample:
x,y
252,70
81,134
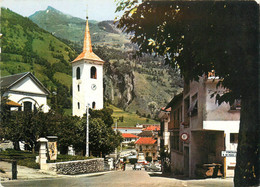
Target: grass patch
x,y
63,78
23,158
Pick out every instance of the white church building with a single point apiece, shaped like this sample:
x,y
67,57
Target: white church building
x,y
25,92
87,79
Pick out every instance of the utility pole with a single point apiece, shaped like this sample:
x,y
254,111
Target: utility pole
x,y
87,132
116,133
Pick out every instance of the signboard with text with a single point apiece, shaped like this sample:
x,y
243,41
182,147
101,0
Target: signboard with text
x,y
52,146
228,153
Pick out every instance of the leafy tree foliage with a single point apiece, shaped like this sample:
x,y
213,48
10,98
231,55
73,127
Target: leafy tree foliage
x,y
198,37
29,126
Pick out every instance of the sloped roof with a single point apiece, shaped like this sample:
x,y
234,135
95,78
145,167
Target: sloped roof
x,y
8,81
146,134
174,100
129,135
12,103
87,53
152,128
145,140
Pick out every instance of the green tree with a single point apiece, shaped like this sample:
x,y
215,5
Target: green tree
x,y
105,114
198,37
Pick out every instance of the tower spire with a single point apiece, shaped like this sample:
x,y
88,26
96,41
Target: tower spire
x,y
87,52
87,47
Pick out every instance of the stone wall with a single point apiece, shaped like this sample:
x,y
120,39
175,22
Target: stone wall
x,y
78,167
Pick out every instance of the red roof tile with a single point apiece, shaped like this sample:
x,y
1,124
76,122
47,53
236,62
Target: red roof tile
x,y
152,128
166,109
129,135
145,140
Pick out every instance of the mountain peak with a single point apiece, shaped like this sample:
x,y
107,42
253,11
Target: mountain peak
x,y
51,8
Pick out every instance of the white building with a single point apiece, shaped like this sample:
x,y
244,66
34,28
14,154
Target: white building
x,y
200,129
24,91
87,79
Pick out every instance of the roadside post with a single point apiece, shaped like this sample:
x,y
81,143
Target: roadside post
x,y
87,131
42,153
14,169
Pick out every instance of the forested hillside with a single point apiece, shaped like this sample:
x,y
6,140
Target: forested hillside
x,y
140,86
27,47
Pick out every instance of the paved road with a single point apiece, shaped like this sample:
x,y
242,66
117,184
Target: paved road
x,y
120,178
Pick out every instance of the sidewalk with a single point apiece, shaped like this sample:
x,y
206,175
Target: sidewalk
x,y
25,173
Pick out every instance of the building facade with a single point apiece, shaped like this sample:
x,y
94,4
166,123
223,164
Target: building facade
x,y
128,138
25,92
147,146
200,129
87,79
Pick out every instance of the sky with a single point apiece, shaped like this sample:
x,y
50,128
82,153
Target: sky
x,y
98,10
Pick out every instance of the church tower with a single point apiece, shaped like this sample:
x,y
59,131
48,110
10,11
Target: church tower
x,y
87,79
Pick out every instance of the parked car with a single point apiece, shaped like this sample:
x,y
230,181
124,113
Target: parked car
x,y
137,166
153,167
147,166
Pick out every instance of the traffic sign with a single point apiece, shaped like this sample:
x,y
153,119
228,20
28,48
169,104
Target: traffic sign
x,y
228,153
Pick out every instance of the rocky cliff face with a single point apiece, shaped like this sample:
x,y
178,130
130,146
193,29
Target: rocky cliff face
x,y
118,85
133,87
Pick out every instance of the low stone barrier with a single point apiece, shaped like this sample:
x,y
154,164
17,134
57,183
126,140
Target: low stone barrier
x,y
78,166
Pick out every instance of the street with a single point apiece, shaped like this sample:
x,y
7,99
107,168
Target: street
x,y
120,178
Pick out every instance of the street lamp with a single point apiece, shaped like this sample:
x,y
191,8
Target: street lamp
x,y
87,132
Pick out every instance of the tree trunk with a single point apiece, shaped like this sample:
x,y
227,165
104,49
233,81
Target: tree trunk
x,y
16,146
247,161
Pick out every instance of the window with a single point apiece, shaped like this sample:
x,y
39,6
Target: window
x,y
194,105
186,113
141,148
175,140
27,106
93,105
153,154
147,147
93,73
78,105
233,137
147,154
78,88
78,73
177,121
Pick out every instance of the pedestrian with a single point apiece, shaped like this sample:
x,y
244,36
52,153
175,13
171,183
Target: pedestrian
x,y
124,164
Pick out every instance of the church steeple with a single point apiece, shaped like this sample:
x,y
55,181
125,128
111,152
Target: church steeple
x,y
87,53
87,39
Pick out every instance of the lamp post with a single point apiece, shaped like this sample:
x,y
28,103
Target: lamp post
x,y
87,132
